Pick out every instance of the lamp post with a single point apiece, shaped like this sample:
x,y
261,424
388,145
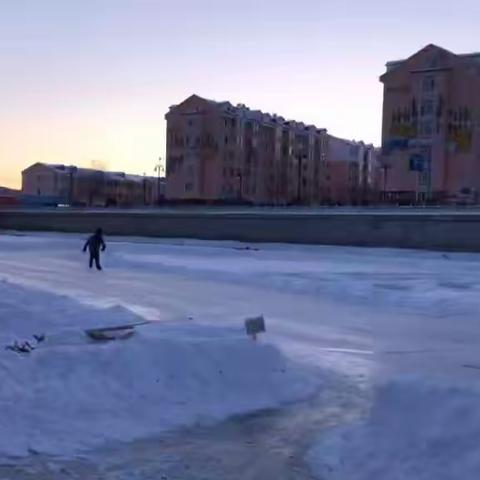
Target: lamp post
x,y
144,181
425,173
159,168
429,173
300,158
240,185
71,193
385,167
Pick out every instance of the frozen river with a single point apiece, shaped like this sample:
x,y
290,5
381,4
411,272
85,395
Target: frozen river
x,y
382,332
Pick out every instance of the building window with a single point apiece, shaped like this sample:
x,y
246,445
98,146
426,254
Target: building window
x,y
428,84
427,107
426,128
188,186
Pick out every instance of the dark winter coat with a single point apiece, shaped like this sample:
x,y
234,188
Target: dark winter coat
x,y
94,243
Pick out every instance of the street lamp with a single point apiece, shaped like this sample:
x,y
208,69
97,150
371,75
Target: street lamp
x,y
385,167
159,168
240,185
300,158
71,194
144,181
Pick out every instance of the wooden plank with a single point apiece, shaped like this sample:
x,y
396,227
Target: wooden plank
x,y
129,326
120,334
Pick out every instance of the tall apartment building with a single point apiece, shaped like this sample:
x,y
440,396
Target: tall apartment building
x,y
431,121
218,151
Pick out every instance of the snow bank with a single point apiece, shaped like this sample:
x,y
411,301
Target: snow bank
x,y
71,394
415,430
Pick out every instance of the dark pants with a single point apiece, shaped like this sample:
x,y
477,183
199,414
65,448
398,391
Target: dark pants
x,y
95,257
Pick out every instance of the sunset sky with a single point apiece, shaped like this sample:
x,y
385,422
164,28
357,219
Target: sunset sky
x,y
89,81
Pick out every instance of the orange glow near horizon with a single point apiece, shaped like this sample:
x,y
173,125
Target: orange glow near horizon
x,y
120,140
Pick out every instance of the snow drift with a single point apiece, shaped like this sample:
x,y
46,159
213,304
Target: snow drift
x,y
416,429
71,394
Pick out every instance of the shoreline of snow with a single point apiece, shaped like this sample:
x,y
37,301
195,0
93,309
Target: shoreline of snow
x,y
70,394
417,428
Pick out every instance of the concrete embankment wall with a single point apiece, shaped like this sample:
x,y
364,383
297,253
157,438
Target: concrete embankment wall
x,y
435,231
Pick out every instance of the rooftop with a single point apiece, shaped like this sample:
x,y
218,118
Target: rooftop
x,y
269,118
472,56
82,171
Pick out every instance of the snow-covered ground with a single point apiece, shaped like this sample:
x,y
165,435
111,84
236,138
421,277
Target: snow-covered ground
x,y
418,428
401,325
70,394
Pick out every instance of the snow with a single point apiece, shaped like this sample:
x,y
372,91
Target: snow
x,y
416,428
402,325
71,394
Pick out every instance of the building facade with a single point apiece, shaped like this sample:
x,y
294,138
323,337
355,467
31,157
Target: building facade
x,y
9,197
431,127
70,185
220,152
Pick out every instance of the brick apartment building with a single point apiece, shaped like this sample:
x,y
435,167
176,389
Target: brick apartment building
x,y
218,151
42,182
431,127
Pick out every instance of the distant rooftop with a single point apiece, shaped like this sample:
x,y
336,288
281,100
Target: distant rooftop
x,y
271,119
5,191
85,172
395,63
246,112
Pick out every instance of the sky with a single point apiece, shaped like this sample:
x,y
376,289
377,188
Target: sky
x,y
89,82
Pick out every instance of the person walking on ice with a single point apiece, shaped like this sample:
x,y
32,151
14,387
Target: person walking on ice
x,y
94,244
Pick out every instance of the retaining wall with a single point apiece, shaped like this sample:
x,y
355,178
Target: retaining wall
x,y
436,231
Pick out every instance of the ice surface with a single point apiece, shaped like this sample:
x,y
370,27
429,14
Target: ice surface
x,y
403,323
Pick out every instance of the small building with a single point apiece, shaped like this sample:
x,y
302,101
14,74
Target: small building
x,y
56,184
9,197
